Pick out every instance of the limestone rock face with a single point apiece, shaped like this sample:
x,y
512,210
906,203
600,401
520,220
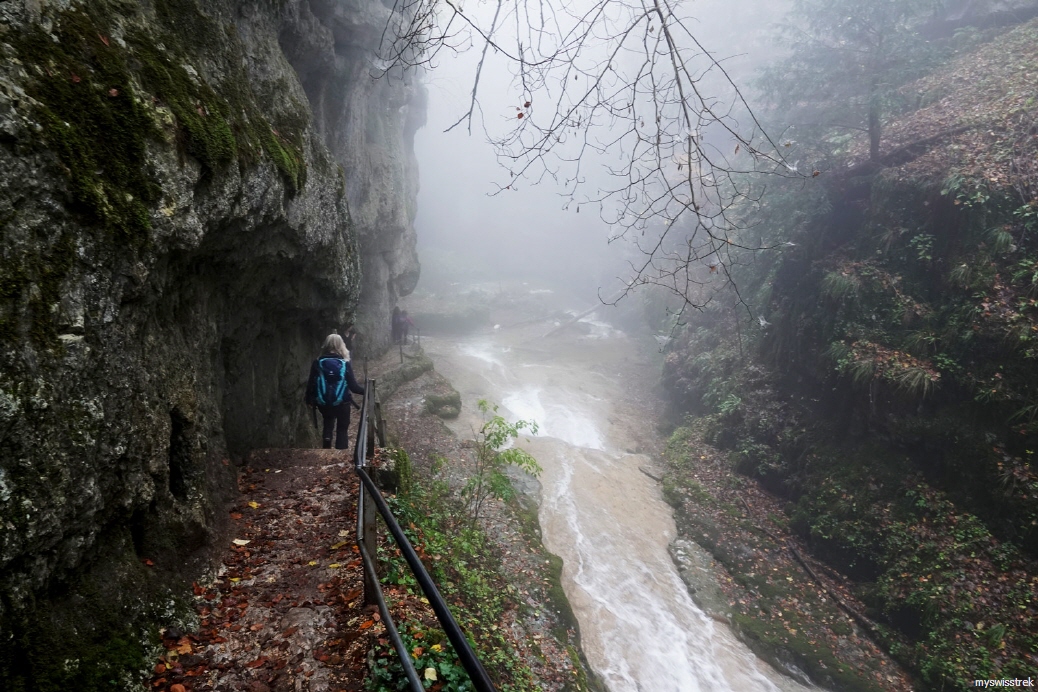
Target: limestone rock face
x,y
369,120
176,186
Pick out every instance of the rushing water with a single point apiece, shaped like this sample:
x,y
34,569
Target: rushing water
x,y
606,519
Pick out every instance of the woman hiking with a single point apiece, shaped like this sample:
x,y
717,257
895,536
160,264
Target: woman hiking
x,y
331,381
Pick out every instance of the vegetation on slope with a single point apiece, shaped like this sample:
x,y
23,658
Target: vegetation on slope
x,y
880,373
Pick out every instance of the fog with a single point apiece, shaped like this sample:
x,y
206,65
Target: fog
x,y
467,221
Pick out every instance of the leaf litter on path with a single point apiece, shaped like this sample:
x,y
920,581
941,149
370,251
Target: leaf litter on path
x,y
285,610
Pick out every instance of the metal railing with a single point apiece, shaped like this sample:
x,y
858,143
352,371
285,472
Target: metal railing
x,y
370,434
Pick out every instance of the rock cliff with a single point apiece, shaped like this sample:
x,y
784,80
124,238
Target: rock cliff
x,y
188,194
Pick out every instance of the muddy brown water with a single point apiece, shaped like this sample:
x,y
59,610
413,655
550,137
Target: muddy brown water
x,y
585,387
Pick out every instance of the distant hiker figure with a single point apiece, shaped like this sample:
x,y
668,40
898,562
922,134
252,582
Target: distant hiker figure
x,y
331,381
348,335
405,326
396,325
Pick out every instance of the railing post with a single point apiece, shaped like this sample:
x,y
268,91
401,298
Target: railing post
x,y
380,423
371,439
370,533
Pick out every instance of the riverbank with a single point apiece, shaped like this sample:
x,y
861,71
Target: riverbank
x,y
593,388
535,618
791,610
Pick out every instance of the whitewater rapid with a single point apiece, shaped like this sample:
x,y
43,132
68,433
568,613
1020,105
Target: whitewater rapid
x,y
606,519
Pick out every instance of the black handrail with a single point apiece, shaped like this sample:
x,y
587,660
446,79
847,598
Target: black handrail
x,y
368,490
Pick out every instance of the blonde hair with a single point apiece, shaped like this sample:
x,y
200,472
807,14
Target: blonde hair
x,y
335,344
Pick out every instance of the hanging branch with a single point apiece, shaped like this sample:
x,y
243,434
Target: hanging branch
x,y
623,84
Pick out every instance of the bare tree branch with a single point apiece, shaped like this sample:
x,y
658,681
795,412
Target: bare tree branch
x,y
625,87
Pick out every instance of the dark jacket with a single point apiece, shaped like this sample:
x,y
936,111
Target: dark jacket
x,y
315,370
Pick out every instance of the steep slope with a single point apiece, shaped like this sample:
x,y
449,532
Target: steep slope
x,y
885,383
176,187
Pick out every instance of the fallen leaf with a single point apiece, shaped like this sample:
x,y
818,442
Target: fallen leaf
x,y
430,674
254,505
235,515
366,624
339,545
240,541
177,687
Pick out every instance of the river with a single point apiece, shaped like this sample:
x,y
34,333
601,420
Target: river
x,y
591,390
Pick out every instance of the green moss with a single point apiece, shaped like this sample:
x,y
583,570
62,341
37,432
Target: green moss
x,y
96,120
199,111
222,123
678,450
30,287
287,158
779,648
196,29
412,368
92,118
444,404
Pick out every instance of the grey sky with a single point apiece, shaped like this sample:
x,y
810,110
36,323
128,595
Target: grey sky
x,y
526,229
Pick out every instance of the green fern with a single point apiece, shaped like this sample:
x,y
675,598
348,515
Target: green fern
x,y
1000,240
915,382
839,287
961,275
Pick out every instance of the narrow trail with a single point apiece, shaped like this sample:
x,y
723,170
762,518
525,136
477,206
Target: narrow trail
x,y
285,611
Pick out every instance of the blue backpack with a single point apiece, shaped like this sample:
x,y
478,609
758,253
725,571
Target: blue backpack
x,y
331,381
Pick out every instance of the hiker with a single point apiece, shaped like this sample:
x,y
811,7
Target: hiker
x,y
405,326
396,325
348,335
331,381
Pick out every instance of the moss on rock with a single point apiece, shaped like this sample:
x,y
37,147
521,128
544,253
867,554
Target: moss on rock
x,y
93,118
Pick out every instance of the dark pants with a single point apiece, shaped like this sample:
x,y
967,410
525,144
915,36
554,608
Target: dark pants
x,y
336,414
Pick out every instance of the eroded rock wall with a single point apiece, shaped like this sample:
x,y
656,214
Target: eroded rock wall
x,y
368,119
176,187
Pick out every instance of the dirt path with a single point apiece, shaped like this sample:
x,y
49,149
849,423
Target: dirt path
x,y
285,611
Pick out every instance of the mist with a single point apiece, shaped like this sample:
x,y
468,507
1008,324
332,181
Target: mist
x,y
470,220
